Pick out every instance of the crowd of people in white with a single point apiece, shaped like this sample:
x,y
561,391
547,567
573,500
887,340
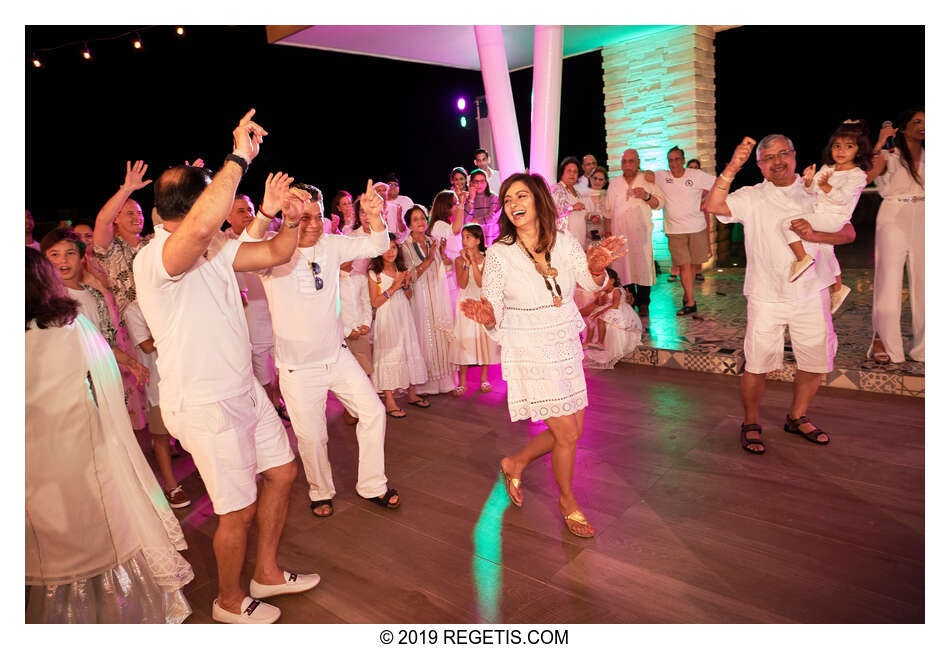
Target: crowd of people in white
x,y
215,336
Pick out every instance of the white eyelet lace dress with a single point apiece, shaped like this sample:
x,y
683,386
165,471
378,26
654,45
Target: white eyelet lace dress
x,y
541,354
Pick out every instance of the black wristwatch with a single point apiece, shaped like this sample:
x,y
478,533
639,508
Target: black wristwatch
x,y
241,162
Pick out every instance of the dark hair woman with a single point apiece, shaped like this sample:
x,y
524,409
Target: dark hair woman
x,y
527,307
899,238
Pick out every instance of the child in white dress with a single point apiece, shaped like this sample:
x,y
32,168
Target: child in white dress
x,y
472,346
397,356
613,330
838,184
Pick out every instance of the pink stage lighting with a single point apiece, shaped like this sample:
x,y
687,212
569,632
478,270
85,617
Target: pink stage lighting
x,y
461,103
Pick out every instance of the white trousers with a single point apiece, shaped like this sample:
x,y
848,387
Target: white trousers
x,y
305,393
899,240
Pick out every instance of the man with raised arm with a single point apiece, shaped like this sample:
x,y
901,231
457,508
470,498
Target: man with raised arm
x,y
209,397
311,353
773,302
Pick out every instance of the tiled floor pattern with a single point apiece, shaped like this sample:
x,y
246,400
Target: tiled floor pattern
x,y
712,339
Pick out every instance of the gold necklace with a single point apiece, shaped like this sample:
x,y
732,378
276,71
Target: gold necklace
x,y
548,272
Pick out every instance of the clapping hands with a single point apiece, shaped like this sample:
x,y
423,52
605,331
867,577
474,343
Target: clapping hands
x,y
480,311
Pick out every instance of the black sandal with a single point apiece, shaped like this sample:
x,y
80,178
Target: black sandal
x,y
686,310
747,443
792,426
418,403
383,501
320,503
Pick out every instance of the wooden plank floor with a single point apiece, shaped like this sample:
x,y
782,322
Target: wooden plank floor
x,y
689,527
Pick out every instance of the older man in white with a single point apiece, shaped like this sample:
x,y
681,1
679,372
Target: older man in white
x,y
312,357
588,165
775,303
209,397
631,199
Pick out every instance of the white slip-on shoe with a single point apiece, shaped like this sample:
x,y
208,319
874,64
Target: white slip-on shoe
x,y
800,266
837,297
293,583
253,611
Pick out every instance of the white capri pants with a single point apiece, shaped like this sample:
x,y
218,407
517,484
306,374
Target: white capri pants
x,y
814,342
305,393
899,240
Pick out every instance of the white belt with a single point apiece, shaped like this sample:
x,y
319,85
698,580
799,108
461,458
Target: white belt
x,y
905,199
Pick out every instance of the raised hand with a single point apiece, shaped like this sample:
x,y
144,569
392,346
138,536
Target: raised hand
x,y
741,154
197,163
133,175
248,137
480,311
886,132
275,187
602,254
371,201
291,206
808,175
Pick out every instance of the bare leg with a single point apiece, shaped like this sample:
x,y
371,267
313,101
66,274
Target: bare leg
x,y
753,387
806,386
798,249
390,401
484,374
601,331
163,456
272,504
415,397
837,285
230,546
688,279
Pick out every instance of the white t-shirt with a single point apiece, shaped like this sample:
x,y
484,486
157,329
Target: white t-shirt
x,y
403,201
139,332
197,321
494,180
762,209
896,181
684,195
308,330
87,304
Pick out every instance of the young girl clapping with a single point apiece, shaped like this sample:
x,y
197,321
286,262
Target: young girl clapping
x,y
471,346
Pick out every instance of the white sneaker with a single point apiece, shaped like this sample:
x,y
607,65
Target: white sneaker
x,y
293,583
800,267
253,611
837,298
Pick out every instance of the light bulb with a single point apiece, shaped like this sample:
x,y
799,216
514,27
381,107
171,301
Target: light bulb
x,y
180,31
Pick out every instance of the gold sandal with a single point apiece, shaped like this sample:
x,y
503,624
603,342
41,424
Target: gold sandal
x,y
578,517
509,483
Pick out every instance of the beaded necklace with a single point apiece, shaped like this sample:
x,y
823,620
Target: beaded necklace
x,y
547,271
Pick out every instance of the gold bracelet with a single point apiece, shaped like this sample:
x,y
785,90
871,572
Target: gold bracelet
x,y
725,189
728,179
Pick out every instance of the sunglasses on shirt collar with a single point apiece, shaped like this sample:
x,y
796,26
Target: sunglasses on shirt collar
x,y
317,280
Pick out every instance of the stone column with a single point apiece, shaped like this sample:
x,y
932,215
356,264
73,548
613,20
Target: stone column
x,y
546,102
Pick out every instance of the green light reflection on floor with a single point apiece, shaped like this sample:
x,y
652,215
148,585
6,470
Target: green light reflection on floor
x,y
487,555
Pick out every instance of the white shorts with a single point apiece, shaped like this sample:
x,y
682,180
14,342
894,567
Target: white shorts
x,y
231,441
814,342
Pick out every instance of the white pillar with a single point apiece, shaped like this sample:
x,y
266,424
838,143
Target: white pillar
x,y
501,105
546,105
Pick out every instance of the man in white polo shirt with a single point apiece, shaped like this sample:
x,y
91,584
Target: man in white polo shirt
x,y
775,303
312,358
683,221
209,397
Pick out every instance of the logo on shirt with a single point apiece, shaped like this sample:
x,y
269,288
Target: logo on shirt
x,y
689,182
669,180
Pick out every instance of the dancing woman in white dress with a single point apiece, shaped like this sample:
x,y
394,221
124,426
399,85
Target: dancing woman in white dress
x,y
527,305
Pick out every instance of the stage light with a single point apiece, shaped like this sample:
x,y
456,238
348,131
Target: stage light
x,y
86,54
463,121
36,61
461,103
137,43
180,31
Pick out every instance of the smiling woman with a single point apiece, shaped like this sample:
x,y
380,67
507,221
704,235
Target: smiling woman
x,y
527,307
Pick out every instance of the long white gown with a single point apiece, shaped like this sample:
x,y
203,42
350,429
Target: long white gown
x,y
397,356
101,541
541,354
633,218
453,245
433,316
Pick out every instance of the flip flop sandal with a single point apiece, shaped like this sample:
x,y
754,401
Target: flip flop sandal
x,y
314,504
392,414
792,426
747,443
383,501
418,403
686,310
578,517
509,483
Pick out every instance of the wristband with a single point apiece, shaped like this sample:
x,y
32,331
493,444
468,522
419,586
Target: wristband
x,y
263,214
291,226
649,197
238,160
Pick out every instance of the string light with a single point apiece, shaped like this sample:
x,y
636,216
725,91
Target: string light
x,y
135,36
137,43
36,61
180,31
86,54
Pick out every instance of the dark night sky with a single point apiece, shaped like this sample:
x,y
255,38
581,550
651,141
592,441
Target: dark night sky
x,y
337,118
